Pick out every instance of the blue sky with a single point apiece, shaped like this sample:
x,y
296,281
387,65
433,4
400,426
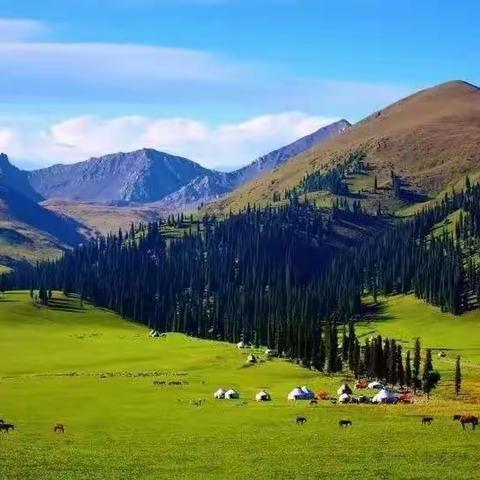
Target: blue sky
x,y
220,81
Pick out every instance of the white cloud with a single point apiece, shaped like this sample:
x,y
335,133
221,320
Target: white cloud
x,y
79,138
15,29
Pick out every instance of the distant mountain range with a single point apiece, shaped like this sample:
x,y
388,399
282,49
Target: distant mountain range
x,y
44,211
149,176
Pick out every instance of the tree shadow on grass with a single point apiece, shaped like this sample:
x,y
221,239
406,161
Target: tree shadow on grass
x,y
64,306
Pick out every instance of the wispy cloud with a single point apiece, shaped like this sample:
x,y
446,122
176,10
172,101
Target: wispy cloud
x,y
228,144
13,29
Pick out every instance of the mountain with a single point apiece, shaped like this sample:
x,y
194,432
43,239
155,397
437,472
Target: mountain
x,y
217,184
28,231
16,179
431,140
274,159
147,176
141,176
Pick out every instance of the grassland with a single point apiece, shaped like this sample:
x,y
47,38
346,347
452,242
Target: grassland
x,y
94,372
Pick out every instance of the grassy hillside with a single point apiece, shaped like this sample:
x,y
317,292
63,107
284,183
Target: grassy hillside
x,y
431,140
101,218
94,372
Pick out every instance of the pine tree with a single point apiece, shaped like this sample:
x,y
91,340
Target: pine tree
x,y
408,370
458,377
430,377
417,358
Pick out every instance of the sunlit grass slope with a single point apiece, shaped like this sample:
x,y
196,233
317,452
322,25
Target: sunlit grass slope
x,y
95,372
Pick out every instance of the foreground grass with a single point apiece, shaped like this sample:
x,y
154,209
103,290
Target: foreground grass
x,y
94,372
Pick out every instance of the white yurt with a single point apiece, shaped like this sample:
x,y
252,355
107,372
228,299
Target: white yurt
x,y
384,396
251,359
344,398
220,393
296,394
231,394
241,344
344,389
308,394
375,386
263,396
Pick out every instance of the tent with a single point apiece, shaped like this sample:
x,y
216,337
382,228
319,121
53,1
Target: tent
x,y
251,359
220,393
296,394
242,344
309,395
303,393
263,396
375,386
385,396
344,389
344,398
231,394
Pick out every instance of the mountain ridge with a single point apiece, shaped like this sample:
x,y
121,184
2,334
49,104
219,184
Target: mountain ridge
x,y
149,176
431,139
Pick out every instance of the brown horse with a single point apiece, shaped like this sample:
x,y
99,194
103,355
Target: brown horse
x,y
427,420
59,428
463,419
6,427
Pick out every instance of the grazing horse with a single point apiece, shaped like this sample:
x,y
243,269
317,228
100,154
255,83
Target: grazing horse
x,y
301,420
59,428
463,419
427,420
344,423
6,427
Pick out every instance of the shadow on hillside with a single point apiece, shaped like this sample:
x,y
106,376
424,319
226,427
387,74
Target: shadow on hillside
x,y
64,306
375,312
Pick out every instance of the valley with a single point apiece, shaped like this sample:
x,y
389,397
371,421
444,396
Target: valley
x,y
94,372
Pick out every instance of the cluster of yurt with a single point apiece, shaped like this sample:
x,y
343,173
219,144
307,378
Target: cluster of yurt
x,y
230,394
301,393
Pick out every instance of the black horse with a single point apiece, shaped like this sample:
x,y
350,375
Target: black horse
x,y
301,420
344,423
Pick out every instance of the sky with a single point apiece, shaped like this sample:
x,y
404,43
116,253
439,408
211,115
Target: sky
x,y
218,81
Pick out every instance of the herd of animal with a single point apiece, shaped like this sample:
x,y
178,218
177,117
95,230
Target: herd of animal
x,y
6,427
463,419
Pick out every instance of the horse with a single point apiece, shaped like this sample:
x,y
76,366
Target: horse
x,y
427,420
344,423
6,427
301,420
463,419
59,428
313,402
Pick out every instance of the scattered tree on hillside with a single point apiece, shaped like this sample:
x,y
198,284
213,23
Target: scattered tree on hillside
x,y
430,377
458,376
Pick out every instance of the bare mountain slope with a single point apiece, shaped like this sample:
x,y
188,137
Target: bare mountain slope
x,y
430,139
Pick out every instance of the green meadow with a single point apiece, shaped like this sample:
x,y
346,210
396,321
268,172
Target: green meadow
x,y
94,372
